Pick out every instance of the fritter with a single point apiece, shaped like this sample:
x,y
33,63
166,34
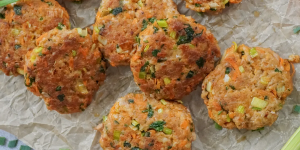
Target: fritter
x,y
65,69
210,6
248,88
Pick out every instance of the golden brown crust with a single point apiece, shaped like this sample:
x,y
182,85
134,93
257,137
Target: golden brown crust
x,y
210,6
118,24
265,76
140,135
173,67
24,23
66,69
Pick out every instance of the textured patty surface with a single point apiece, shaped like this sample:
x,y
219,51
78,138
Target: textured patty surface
x,y
171,61
66,69
21,25
118,22
137,122
211,6
248,88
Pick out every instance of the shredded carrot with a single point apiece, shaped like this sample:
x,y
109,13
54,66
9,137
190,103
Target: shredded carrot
x,y
84,52
135,57
293,68
182,143
231,115
40,38
274,92
287,66
184,124
71,62
217,106
281,62
133,135
210,114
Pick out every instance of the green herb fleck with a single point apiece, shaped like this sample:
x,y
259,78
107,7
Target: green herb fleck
x,y
213,9
49,48
199,34
60,26
200,62
116,122
198,5
151,144
143,68
155,29
58,88
266,98
17,9
190,74
277,70
17,46
2,16
227,71
145,24
116,11
41,18
152,20
259,129
149,110
154,52
102,70
126,144
135,148
61,97
169,147
232,87
220,112
157,125
138,40
130,101
243,53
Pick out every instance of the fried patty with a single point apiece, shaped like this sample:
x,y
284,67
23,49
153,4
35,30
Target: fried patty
x,y
248,88
65,69
21,24
118,23
138,122
173,57
210,6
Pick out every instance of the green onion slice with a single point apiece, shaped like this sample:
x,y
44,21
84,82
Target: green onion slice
x,y
6,2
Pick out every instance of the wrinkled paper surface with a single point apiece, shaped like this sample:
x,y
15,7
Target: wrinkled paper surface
x,y
264,23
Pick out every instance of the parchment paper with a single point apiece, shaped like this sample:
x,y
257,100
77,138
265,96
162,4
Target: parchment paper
x,y
265,23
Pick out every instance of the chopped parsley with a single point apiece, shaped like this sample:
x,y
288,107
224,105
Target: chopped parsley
x,y
17,46
213,9
17,9
200,62
145,24
60,26
154,52
155,29
266,98
58,88
157,125
2,16
149,110
189,35
169,147
190,74
198,5
277,70
152,20
145,134
116,11
102,70
143,68
130,101
41,18
227,70
61,97
49,48
116,122
31,80
243,53
151,144
135,148
199,34
126,144
259,129
232,87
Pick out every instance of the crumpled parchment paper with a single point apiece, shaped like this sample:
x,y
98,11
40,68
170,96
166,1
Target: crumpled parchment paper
x,y
265,23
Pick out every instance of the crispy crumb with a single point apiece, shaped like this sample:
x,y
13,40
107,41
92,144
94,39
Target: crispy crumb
x,y
294,58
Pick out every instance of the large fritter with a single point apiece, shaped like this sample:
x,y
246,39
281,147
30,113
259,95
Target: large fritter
x,y
137,122
248,88
21,24
65,69
119,22
173,57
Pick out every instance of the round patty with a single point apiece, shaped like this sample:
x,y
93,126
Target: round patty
x,y
248,88
66,69
137,122
22,23
173,57
211,6
118,23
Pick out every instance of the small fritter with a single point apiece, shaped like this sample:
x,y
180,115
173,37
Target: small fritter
x,y
210,6
173,57
21,24
248,88
118,23
138,122
66,69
